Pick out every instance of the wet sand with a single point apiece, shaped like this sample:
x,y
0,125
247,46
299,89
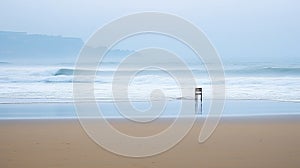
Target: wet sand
x,y
264,141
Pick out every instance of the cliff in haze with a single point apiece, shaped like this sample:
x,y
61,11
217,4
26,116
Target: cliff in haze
x,y
23,47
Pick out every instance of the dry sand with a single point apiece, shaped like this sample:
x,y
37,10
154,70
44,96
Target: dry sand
x,y
237,142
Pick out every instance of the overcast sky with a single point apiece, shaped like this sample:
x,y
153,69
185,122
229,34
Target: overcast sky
x,y
266,29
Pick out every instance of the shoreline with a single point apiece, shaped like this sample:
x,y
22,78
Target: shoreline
x,y
232,108
253,116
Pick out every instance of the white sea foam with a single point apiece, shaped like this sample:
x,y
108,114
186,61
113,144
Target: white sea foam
x,y
54,83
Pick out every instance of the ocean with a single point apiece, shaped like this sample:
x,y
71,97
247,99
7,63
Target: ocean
x,y
33,86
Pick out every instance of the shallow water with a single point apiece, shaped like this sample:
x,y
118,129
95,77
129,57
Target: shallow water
x,y
67,110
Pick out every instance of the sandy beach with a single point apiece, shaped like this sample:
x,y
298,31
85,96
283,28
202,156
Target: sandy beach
x,y
264,141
